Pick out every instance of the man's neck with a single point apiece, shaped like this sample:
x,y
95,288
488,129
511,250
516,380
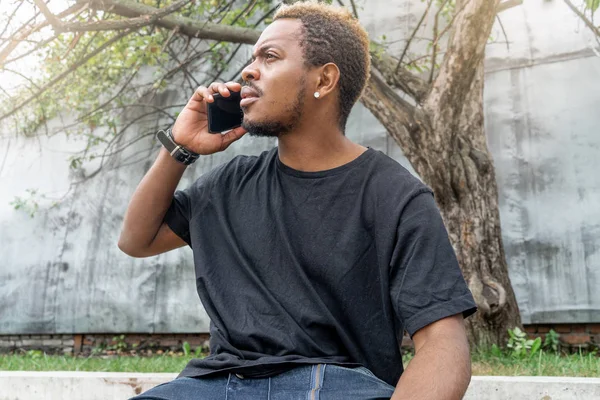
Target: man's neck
x,y
317,149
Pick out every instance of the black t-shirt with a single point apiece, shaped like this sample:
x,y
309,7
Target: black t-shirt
x,y
300,267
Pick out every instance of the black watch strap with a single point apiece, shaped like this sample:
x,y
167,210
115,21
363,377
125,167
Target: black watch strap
x,y
179,153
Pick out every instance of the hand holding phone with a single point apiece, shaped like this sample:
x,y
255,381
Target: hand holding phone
x,y
225,113
191,129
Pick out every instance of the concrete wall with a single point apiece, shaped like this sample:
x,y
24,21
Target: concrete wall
x,y
543,127
61,272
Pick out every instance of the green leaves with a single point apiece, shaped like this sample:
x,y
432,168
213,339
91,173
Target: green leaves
x,y
29,204
552,342
520,345
592,4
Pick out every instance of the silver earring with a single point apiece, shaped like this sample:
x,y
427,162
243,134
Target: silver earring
x,y
317,95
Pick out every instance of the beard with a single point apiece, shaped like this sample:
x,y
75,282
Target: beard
x,y
285,124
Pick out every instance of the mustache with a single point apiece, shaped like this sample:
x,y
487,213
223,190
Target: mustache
x,y
253,86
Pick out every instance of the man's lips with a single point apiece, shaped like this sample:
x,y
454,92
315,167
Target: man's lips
x,y
249,95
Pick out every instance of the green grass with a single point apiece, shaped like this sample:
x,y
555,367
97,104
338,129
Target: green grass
x,y
540,364
43,362
484,363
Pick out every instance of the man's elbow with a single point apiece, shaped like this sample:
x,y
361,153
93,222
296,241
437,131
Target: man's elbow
x,y
133,251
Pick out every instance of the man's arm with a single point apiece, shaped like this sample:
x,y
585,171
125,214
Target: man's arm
x,y
441,368
144,233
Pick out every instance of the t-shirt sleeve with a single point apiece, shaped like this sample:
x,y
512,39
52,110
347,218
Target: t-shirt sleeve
x,y
179,215
187,203
426,282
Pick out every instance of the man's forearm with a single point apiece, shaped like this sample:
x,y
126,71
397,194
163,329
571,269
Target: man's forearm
x,y
440,370
150,202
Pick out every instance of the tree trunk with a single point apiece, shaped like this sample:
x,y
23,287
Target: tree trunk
x,y
445,142
470,211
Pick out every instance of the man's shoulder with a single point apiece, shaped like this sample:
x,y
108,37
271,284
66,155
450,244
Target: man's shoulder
x,y
391,178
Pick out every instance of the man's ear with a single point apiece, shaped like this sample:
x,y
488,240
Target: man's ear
x,y
328,79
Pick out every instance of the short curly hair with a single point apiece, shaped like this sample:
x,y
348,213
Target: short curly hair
x,y
332,34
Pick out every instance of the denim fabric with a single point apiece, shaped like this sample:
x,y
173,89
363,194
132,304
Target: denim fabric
x,y
311,382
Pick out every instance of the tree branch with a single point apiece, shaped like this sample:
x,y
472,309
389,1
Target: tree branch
x,y
436,38
64,74
503,32
55,22
354,11
187,26
9,20
405,123
410,39
131,23
402,79
465,51
505,5
26,31
585,20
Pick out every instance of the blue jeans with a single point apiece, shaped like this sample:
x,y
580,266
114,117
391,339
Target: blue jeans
x,y
310,382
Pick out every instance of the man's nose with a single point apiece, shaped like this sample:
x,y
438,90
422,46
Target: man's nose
x,y
250,73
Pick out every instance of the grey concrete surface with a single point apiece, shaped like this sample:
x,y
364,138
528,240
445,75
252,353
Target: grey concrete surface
x,y
115,385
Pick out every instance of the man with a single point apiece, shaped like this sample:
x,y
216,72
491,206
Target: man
x,y
313,258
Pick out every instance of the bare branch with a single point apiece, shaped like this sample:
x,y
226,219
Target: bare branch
x,y
28,79
503,32
131,23
188,26
465,52
403,79
183,68
354,9
61,76
585,20
436,37
449,25
119,92
508,4
25,31
8,21
353,5
36,48
410,39
403,121
55,22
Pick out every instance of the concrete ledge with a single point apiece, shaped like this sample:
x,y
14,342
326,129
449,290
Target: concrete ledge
x,y
533,388
67,385
26,385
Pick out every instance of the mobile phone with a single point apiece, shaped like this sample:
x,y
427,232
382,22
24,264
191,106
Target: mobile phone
x,y
225,113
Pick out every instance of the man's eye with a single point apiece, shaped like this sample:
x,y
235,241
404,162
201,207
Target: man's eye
x,y
268,56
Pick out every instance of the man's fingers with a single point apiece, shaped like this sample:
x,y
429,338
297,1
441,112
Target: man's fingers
x,y
220,88
232,136
203,94
234,86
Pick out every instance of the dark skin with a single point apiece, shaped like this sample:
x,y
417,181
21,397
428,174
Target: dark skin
x,y
316,142
441,366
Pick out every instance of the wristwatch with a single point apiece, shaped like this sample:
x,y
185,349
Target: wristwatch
x,y
178,152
